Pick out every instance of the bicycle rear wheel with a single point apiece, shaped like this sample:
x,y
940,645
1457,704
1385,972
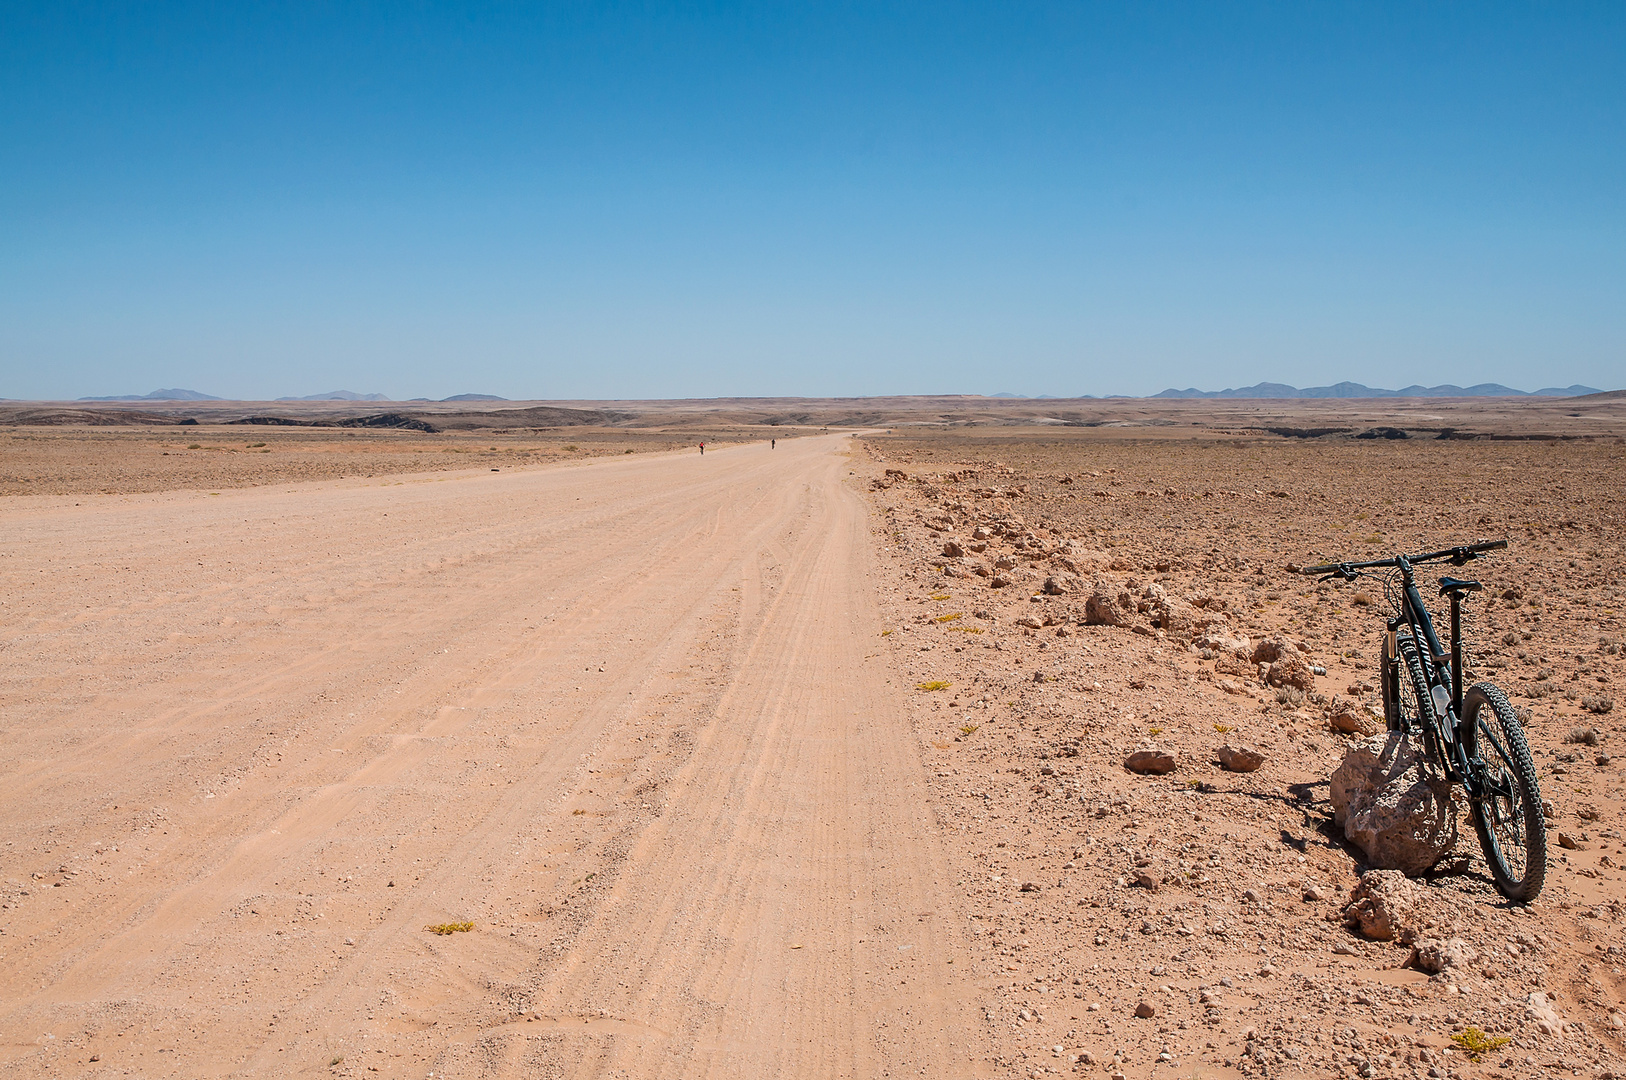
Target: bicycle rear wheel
x,y
1508,817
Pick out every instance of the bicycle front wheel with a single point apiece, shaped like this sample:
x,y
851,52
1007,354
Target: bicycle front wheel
x,y
1406,704
1508,815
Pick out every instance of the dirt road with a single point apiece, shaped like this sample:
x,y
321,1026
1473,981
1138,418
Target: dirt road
x,y
623,717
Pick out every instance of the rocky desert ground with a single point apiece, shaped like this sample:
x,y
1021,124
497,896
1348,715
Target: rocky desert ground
x,y
1194,923
427,759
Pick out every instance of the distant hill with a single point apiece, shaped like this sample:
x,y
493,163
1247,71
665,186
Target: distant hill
x,y
159,395
338,395
473,397
1356,390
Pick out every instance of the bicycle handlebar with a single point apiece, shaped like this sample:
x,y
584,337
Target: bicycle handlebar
x,y
1458,555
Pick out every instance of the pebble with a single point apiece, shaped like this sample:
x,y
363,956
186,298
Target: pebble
x,y
1146,1010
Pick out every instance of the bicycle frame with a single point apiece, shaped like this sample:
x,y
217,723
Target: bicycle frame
x,y
1444,679
1441,669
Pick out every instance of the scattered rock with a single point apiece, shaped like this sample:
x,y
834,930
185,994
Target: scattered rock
x,y
1145,880
1565,840
1104,608
1391,806
1387,906
1272,649
1435,955
1029,886
1059,584
1146,1010
953,550
1293,671
1351,719
1155,762
1240,758
1539,1009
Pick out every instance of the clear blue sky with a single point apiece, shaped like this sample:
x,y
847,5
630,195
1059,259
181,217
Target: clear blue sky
x,y
562,200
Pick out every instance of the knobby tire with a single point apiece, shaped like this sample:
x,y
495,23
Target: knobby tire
x,y
1510,826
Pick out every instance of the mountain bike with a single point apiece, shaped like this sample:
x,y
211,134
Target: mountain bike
x,y
1472,736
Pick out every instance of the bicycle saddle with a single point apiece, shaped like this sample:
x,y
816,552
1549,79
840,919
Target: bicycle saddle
x,y
1457,585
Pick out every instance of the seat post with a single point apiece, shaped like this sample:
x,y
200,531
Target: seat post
x,y
1456,651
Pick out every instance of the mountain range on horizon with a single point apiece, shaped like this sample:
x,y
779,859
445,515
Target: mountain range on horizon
x,y
158,395
339,395
1357,390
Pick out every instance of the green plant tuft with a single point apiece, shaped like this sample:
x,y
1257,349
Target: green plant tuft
x,y
1476,1043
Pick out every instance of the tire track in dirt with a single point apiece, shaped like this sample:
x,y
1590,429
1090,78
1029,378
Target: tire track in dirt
x,y
634,742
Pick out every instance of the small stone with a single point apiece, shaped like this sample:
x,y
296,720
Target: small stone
x,y
1028,886
1144,880
1146,1010
953,550
1249,896
1155,762
1312,894
1240,758
1565,840
1057,1049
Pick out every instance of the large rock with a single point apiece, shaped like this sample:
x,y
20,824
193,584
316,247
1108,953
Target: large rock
x,y
1401,815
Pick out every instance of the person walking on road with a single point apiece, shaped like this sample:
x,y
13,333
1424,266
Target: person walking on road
x,y
772,443
702,449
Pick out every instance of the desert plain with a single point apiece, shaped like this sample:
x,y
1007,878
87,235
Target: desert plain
x,y
529,748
